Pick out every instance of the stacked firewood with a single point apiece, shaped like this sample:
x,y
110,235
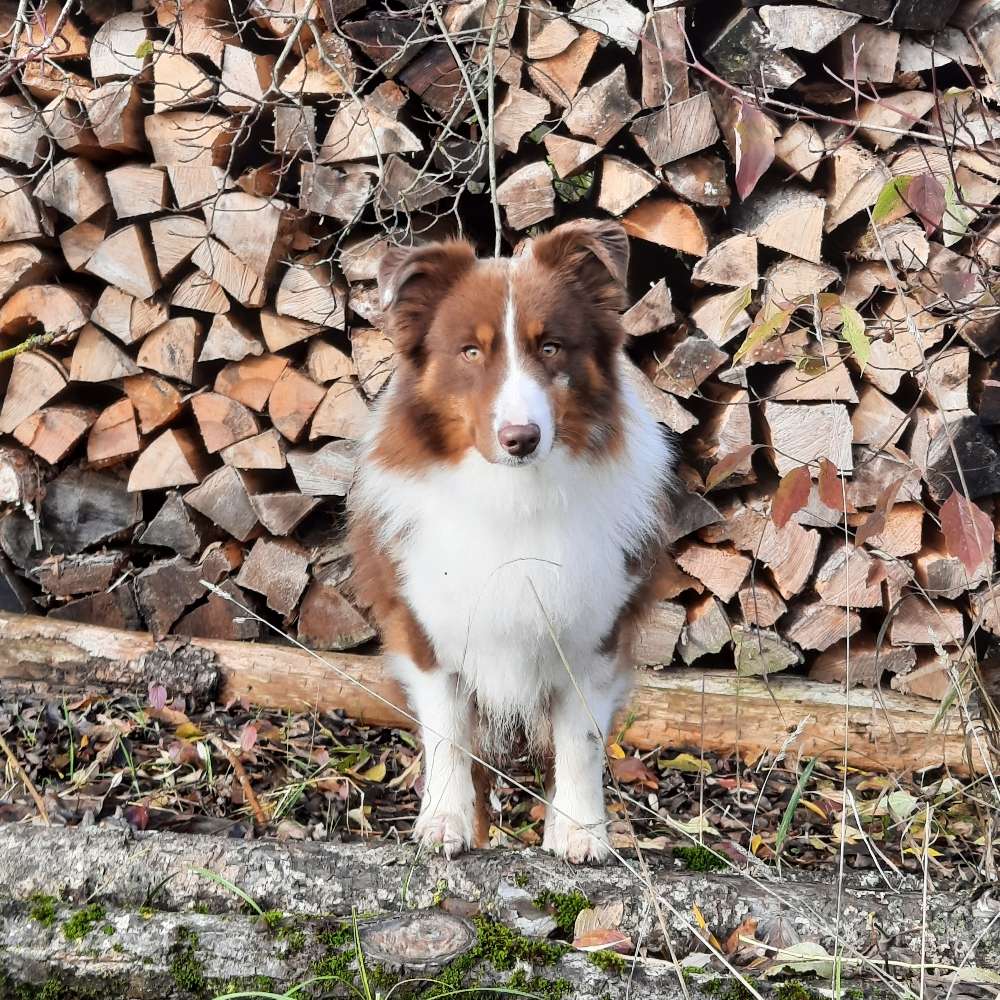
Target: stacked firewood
x,y
195,195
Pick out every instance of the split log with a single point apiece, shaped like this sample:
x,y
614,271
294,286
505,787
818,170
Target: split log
x,y
659,635
223,497
116,47
743,53
761,605
114,436
669,223
700,178
677,130
800,149
622,184
732,262
229,340
55,309
868,54
125,260
262,451
807,29
23,265
171,349
96,358
762,652
816,625
22,132
74,187
175,458
156,402
115,113
652,312
801,434
861,661
281,513
18,211
706,631
786,218
222,421
176,528
279,570
251,380
663,51
722,569
569,156
52,432
527,195
126,317
600,111
343,413
920,622
199,291
292,402
35,379
326,362
326,472
941,574
137,190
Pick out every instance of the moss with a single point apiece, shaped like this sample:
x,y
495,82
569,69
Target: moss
x,y
42,908
607,961
538,986
202,908
146,912
699,859
521,880
107,930
794,990
83,922
728,989
273,919
245,984
186,969
337,964
564,906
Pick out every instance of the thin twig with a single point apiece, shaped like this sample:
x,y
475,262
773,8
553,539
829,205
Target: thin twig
x,y
260,816
22,776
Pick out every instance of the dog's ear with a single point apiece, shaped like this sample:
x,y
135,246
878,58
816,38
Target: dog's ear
x,y
591,253
412,282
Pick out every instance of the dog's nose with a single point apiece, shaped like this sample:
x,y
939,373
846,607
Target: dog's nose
x,y
519,439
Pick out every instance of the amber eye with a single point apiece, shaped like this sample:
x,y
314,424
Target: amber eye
x,y
551,348
471,353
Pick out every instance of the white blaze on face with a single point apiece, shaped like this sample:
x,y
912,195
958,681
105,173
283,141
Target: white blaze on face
x,y
522,399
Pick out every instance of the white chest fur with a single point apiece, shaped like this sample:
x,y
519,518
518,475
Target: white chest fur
x,y
499,563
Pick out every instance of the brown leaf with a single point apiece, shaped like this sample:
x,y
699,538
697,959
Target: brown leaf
x,y
876,520
747,929
754,148
631,770
925,196
968,532
725,467
604,939
791,495
831,492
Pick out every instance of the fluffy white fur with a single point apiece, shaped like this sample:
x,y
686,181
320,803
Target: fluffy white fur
x,y
491,558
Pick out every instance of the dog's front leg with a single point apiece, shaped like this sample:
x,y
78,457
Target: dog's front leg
x,y
448,808
576,822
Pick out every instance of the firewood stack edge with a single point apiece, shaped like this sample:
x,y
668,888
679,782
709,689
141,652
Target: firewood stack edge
x,y
194,200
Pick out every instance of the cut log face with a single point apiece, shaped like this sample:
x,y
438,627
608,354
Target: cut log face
x,y
262,451
52,432
137,190
559,76
125,260
35,379
622,184
527,196
677,130
224,499
602,110
327,472
669,223
114,436
175,458
277,569
171,349
250,381
74,187
229,340
343,413
803,434
126,317
96,358
55,309
664,56
156,402
222,421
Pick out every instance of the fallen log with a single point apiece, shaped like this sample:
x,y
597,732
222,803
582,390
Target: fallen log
x,y
714,709
141,903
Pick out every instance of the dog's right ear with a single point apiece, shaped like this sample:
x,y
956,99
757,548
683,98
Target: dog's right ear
x,y
412,282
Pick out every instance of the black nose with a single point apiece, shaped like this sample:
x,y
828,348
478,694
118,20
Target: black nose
x,y
519,439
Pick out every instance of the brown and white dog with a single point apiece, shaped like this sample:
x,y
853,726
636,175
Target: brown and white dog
x,y
506,516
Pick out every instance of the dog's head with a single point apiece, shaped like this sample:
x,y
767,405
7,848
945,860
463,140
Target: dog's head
x,y
510,357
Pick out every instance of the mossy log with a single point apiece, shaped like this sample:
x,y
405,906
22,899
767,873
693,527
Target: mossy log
x,y
711,709
110,913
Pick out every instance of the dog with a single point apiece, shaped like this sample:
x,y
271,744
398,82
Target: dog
x,y
506,517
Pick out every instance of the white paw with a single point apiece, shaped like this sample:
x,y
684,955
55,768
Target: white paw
x,y
573,842
445,831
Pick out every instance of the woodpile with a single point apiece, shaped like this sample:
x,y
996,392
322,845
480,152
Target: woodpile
x,y
194,199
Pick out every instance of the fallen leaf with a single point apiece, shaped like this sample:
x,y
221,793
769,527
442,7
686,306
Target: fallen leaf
x,y
925,195
853,329
606,915
831,492
754,153
968,531
725,467
632,770
157,696
375,773
604,939
686,763
760,333
188,731
876,520
890,198
746,929
791,495
615,751
248,737
806,956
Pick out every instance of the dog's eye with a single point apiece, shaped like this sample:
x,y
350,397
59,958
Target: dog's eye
x,y
551,348
471,353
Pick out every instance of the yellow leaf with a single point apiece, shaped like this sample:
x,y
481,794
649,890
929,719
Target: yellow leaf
x,y
813,808
188,731
755,843
687,763
615,752
699,917
375,773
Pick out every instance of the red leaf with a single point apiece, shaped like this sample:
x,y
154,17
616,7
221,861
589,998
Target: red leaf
x,y
754,151
725,467
137,816
604,939
632,770
968,531
831,493
925,196
791,495
248,738
958,285
157,696
876,520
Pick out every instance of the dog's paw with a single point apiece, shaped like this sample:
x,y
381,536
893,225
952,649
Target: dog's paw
x,y
448,832
574,843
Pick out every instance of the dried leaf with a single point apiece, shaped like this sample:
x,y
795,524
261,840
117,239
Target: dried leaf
x,y
188,731
747,929
725,467
604,939
687,763
925,195
831,492
968,532
806,956
615,751
957,216
157,696
375,773
754,153
248,738
853,330
761,333
791,495
632,770
890,198
876,520
606,916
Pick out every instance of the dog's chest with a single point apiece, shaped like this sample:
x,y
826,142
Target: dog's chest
x,y
498,569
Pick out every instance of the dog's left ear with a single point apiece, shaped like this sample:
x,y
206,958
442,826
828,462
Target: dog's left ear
x,y
591,253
